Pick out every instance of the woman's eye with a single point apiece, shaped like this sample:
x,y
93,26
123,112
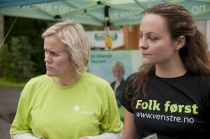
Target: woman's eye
x,y
53,54
152,38
50,53
140,36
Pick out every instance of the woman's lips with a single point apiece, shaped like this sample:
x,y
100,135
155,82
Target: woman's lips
x,y
49,68
145,54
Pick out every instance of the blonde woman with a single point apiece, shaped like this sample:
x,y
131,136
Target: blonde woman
x,y
118,84
67,102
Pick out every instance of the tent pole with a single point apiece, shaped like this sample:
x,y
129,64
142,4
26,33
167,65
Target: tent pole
x,y
7,33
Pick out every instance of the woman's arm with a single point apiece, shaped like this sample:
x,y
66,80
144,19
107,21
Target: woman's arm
x,y
102,136
107,135
24,136
129,126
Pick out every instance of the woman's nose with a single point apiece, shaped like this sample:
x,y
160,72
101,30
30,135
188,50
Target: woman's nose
x,y
47,57
142,43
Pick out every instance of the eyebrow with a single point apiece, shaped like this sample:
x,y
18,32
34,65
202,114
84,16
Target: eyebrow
x,y
51,51
149,33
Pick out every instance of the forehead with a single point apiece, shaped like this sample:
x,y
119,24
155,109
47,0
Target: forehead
x,y
53,43
117,67
153,23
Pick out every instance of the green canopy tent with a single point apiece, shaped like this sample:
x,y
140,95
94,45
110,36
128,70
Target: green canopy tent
x,y
12,3
96,12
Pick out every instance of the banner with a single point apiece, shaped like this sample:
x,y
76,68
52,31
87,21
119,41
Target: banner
x,y
97,38
102,63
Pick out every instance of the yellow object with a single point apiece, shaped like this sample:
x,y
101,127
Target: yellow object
x,y
108,39
108,42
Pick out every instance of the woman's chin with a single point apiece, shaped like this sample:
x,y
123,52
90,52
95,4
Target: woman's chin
x,y
146,62
50,74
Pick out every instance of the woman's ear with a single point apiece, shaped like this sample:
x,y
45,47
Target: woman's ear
x,y
180,42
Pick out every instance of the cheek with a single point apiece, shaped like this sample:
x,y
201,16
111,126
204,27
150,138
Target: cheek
x,y
164,53
114,74
161,49
60,62
120,73
63,63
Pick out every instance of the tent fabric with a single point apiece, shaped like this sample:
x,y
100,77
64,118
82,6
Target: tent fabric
x,y
98,12
12,3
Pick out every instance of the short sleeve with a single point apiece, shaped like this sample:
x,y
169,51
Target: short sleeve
x,y
22,118
111,119
126,96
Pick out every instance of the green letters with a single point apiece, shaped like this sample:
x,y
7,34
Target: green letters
x,y
172,108
151,105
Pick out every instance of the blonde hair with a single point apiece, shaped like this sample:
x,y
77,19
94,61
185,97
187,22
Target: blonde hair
x,y
118,63
73,35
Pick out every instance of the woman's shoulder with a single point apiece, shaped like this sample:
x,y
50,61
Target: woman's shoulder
x,y
198,77
91,78
34,84
201,80
38,80
132,77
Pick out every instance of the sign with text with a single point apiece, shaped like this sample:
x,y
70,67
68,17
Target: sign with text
x,y
100,62
97,38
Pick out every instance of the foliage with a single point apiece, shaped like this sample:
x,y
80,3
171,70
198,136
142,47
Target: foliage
x,y
32,28
16,60
7,83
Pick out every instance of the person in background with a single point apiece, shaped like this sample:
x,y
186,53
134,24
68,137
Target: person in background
x,y
118,71
67,102
169,96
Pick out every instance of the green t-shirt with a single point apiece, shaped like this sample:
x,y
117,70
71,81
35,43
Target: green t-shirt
x,y
86,108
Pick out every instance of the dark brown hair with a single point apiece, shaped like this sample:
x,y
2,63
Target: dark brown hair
x,y
179,22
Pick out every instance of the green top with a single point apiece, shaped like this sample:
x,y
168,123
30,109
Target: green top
x,y
86,108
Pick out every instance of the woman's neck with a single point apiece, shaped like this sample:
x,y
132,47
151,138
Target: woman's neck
x,y
67,80
172,69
